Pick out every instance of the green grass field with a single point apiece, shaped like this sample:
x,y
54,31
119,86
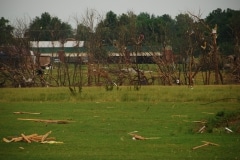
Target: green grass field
x,y
103,120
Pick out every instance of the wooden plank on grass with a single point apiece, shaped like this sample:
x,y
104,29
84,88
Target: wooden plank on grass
x,y
26,113
47,121
45,136
25,138
206,143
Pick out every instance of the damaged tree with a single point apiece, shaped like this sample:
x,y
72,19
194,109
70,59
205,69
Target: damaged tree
x,y
18,67
211,56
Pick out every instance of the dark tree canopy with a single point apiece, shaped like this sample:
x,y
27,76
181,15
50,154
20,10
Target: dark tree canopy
x,y
6,31
157,30
228,27
48,28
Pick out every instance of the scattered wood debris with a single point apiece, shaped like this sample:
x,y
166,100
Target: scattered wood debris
x,y
206,143
47,121
33,138
200,122
202,129
26,113
52,142
200,126
138,137
228,130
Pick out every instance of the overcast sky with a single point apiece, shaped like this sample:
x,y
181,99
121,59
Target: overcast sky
x,y
67,9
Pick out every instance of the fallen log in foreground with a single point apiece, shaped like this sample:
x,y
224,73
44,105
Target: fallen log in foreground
x,y
47,121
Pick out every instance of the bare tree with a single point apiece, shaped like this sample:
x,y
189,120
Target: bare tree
x,y
20,67
94,41
212,43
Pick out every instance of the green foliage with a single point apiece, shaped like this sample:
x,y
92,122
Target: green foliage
x,y
82,33
228,28
48,28
6,31
126,28
222,119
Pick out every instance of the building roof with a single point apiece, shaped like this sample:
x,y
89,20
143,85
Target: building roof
x,y
57,44
48,47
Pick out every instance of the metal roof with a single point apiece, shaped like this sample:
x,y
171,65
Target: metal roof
x,y
57,44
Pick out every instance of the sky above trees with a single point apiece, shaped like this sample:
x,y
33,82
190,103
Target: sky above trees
x,y
66,10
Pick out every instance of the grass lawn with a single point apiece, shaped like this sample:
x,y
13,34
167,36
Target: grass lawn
x,y
103,120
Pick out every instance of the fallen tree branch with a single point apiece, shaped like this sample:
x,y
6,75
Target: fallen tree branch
x,y
47,121
138,137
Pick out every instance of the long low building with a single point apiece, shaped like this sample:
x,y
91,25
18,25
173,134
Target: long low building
x,y
56,44
75,49
51,48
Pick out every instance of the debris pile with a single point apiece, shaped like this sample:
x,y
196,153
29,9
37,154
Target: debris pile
x,y
33,138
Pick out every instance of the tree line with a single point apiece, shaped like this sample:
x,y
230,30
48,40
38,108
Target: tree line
x,y
157,30
188,35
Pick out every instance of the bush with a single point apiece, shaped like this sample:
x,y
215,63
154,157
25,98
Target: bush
x,y
224,119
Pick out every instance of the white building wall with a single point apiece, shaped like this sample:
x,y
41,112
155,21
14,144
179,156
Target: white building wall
x,y
50,44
